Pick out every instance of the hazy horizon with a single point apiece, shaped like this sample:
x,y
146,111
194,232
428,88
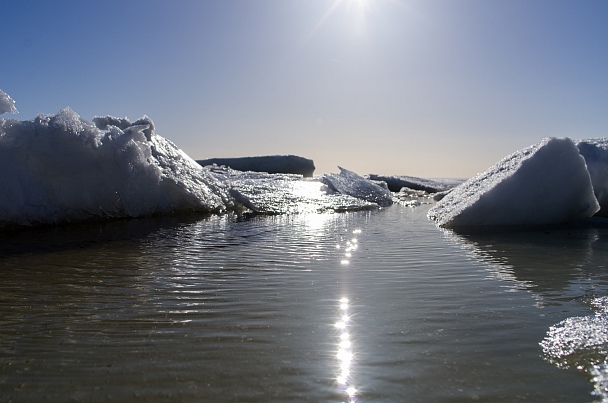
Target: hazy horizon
x,y
431,88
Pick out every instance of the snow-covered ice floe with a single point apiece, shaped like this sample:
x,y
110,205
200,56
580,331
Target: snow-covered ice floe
x,y
547,183
63,168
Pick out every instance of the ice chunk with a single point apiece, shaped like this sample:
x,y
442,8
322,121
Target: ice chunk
x,y
547,183
595,152
63,168
575,335
349,183
7,105
274,164
581,342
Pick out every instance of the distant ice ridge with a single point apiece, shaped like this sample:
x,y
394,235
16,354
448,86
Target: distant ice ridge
x,y
547,183
396,183
291,164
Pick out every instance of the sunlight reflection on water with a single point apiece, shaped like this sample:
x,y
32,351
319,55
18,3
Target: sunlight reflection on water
x,y
345,355
345,352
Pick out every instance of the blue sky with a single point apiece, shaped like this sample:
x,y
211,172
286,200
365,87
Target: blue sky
x,y
430,88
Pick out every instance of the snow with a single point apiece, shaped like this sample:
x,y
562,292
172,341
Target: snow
x,y
7,105
547,183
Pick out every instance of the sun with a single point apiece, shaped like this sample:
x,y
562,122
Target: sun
x,y
358,7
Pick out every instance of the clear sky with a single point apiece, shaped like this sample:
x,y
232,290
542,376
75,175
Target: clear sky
x,y
432,88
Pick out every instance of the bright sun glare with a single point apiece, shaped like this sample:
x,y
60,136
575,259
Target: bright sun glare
x,y
360,6
360,3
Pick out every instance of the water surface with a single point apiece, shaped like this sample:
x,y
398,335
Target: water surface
x,y
368,307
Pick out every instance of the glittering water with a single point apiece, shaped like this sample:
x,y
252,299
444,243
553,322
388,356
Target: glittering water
x,y
352,307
